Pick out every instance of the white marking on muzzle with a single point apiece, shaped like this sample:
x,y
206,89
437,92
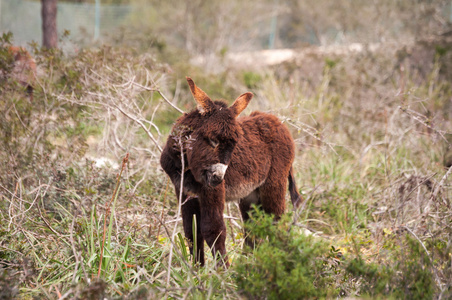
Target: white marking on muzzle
x,y
219,169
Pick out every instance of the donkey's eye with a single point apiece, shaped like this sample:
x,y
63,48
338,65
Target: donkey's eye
x,y
213,143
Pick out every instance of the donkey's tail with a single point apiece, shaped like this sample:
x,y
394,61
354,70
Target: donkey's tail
x,y
294,195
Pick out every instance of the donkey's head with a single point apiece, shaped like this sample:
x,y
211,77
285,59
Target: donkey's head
x,y
214,137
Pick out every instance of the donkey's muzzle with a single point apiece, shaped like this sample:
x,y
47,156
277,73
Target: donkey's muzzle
x,y
214,175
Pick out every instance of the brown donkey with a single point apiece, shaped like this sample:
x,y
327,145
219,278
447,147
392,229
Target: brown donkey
x,y
226,158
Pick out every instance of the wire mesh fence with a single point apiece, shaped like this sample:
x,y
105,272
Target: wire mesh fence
x,y
275,24
84,21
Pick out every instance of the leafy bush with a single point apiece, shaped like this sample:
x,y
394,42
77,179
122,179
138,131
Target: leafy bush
x,y
285,264
406,275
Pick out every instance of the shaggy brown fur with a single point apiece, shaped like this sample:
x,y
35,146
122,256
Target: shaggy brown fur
x,y
226,158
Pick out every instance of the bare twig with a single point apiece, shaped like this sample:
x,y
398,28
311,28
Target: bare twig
x,y
440,185
107,212
163,205
44,219
17,197
181,191
151,136
438,281
8,249
314,133
11,217
161,94
423,120
76,255
177,250
65,295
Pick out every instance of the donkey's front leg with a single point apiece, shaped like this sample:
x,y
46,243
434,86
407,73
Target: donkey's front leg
x,y
213,228
190,211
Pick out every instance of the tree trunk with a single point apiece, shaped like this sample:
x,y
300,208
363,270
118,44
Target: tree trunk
x,y
49,26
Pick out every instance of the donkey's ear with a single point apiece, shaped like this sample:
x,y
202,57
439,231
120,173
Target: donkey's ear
x,y
241,103
205,104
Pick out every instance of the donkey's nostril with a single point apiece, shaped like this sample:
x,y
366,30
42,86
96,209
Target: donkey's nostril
x,y
214,175
217,178
219,170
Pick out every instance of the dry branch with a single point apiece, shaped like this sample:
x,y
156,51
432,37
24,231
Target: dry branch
x,y
150,135
107,212
440,185
161,94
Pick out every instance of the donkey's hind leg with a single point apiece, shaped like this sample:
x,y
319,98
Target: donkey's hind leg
x,y
272,196
245,207
192,211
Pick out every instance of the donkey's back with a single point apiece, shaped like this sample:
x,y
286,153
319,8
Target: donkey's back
x,y
261,164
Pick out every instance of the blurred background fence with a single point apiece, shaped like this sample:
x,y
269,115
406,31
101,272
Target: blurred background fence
x,y
215,27
86,22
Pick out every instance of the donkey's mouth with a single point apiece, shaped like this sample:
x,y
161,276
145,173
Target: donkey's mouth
x,y
212,180
214,175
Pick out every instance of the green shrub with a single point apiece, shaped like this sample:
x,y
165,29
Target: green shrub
x,y
407,275
285,264
288,264
251,79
